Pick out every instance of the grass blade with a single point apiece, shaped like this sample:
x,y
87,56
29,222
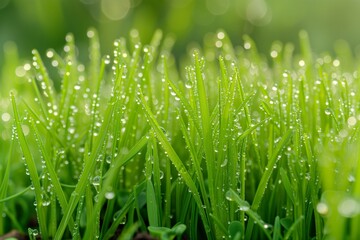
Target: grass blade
x,y
88,170
231,195
32,170
152,207
266,177
177,162
4,185
52,173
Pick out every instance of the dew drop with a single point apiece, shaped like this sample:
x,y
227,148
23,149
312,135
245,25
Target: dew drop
x,y
336,63
107,59
301,63
49,54
273,54
96,181
188,85
247,45
220,35
27,67
322,208
109,195
90,34
224,162
351,121
45,203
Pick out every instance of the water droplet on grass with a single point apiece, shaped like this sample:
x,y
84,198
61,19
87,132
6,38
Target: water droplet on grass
x,y
351,178
273,54
109,195
301,63
220,35
27,67
50,53
247,45
33,232
188,85
351,121
107,59
224,162
322,208
117,215
54,63
218,44
336,63
243,205
244,208
96,181
90,34
267,226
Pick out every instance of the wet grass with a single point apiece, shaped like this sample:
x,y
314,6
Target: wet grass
x,y
225,144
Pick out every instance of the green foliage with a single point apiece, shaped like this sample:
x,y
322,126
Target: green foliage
x,y
224,144
168,233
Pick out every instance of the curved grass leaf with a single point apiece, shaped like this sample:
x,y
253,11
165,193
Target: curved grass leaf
x,y
32,170
266,177
172,155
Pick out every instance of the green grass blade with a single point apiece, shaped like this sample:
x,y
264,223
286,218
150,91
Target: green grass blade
x,y
4,185
119,161
157,178
41,123
196,161
292,228
231,195
52,173
88,170
120,215
43,77
207,132
95,57
15,195
277,229
266,177
185,103
32,170
176,161
152,206
269,169
287,185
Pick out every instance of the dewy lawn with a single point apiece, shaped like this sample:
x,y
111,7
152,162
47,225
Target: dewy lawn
x,y
224,144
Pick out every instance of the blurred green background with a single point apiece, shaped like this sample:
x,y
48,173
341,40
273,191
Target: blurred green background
x,y
43,24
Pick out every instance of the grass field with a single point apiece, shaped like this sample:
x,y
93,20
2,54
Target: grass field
x,y
225,143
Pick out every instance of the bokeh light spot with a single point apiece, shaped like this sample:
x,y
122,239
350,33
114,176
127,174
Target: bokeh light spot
x,y
217,7
5,117
90,34
20,71
115,9
258,13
